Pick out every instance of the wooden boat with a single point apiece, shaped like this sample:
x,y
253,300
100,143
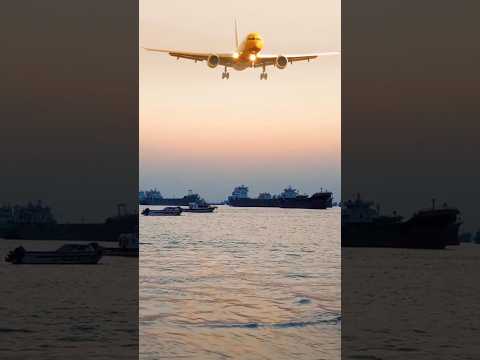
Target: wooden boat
x,y
66,254
168,211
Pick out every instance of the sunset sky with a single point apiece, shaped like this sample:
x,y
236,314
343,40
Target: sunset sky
x,y
203,133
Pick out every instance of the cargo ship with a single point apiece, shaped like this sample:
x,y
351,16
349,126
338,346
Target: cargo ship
x,y
36,222
432,228
154,197
289,198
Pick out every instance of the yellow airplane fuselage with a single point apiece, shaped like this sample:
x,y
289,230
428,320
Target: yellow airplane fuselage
x,y
248,50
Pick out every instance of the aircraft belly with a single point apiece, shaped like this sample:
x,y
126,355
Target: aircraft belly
x,y
240,66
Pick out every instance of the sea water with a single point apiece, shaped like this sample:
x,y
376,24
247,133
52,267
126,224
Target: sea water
x,y
241,283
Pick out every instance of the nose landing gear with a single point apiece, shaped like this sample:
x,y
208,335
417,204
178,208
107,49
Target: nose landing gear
x,y
225,74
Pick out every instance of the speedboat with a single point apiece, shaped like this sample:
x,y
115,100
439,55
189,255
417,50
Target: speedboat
x,y
66,254
168,211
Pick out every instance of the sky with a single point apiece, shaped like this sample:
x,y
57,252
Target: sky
x,y
69,107
410,122
203,133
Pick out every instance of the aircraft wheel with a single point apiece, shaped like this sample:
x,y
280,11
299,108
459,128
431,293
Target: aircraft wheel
x,y
265,76
228,76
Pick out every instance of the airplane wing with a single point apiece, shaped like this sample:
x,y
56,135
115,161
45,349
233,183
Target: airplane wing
x,y
225,59
266,60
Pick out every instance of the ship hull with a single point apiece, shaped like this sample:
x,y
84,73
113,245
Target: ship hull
x,y
310,203
434,230
313,202
84,232
58,258
205,210
393,236
247,202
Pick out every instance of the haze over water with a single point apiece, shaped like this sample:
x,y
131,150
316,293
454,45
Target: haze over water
x,y
256,283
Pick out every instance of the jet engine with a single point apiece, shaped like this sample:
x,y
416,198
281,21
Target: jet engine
x,y
213,61
281,62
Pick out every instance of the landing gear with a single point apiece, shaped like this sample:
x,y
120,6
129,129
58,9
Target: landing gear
x,y
263,75
225,74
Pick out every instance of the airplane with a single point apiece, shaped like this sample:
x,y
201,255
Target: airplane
x,y
247,55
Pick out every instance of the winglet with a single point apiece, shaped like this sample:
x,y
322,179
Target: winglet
x,y
236,35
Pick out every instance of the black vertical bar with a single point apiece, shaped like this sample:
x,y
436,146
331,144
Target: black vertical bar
x,y
69,138
410,111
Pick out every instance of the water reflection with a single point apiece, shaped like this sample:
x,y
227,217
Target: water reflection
x,y
241,283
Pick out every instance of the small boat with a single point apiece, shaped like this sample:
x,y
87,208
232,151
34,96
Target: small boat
x,y
128,245
202,207
168,211
66,254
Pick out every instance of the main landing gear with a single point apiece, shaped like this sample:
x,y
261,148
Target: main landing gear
x,y
225,74
263,75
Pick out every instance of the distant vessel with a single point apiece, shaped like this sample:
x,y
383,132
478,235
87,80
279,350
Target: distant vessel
x,y
67,254
289,198
199,207
154,197
36,222
168,211
363,226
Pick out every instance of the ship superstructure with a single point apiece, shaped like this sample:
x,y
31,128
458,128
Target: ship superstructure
x,y
289,193
152,194
240,192
265,196
29,214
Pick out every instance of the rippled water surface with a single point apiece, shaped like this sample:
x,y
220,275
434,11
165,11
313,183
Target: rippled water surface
x,y
411,303
73,312
241,283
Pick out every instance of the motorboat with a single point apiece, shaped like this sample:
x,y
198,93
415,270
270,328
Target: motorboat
x,y
66,254
202,207
168,211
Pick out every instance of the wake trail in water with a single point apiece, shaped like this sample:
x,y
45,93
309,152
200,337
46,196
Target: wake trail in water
x,y
324,320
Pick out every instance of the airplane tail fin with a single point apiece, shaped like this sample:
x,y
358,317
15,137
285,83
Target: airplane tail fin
x,y
236,35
